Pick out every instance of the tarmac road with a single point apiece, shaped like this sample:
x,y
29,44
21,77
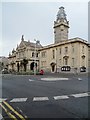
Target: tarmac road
x,y
47,96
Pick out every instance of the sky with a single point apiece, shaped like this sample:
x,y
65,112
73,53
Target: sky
x,y
35,20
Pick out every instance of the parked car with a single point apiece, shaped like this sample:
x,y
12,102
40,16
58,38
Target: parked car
x,y
5,71
41,72
83,69
65,68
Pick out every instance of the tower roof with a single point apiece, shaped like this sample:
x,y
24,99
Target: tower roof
x,y
61,14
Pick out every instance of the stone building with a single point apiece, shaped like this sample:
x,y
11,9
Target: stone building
x,y
89,57
73,53
3,62
70,53
25,57
64,51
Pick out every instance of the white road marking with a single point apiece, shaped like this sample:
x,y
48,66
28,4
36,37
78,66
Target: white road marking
x,y
80,95
54,79
1,117
2,99
18,100
79,78
31,80
85,94
61,97
40,98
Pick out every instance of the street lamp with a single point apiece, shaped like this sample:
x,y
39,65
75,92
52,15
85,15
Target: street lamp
x,y
36,42
56,60
35,57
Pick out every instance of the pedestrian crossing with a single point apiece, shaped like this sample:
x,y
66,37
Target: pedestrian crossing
x,y
61,97
45,98
80,95
3,99
40,98
7,101
18,100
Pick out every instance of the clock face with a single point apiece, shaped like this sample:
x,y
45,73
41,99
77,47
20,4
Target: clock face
x,y
62,27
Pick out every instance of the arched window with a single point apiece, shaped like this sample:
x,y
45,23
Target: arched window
x,y
36,54
32,54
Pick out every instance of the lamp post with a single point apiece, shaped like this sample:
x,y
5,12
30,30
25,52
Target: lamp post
x,y
56,60
35,57
36,42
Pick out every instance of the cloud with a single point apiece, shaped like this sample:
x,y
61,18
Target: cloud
x,y
36,20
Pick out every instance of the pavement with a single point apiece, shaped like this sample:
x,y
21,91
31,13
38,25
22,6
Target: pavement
x,y
45,96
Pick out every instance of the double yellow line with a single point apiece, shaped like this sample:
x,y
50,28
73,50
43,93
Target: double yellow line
x,y
12,109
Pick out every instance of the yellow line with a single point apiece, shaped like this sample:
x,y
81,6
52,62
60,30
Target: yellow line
x,y
19,115
8,113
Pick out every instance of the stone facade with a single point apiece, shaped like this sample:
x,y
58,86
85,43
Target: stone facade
x,y
74,53
25,57
61,26
3,62
89,57
64,51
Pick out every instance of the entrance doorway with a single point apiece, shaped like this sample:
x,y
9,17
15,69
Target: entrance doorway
x,y
53,67
33,64
18,67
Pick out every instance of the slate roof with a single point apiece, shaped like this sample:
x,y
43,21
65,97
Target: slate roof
x,y
29,44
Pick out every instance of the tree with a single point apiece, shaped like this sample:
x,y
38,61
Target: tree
x,y
1,65
24,62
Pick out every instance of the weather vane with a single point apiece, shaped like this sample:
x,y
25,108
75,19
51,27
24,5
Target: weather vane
x,y
22,38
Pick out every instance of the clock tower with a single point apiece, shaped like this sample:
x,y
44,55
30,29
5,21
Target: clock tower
x,y
61,26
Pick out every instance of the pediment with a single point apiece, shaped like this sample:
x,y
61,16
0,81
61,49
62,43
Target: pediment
x,y
21,45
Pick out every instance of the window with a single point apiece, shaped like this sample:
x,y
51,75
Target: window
x,y
36,54
66,61
60,62
73,60
43,54
53,52
83,60
32,54
60,51
82,49
23,54
66,49
72,48
43,63
19,54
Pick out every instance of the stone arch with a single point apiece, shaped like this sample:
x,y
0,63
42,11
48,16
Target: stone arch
x,y
32,65
53,66
18,67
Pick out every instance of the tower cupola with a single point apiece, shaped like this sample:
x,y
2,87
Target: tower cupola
x,y
61,14
61,26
